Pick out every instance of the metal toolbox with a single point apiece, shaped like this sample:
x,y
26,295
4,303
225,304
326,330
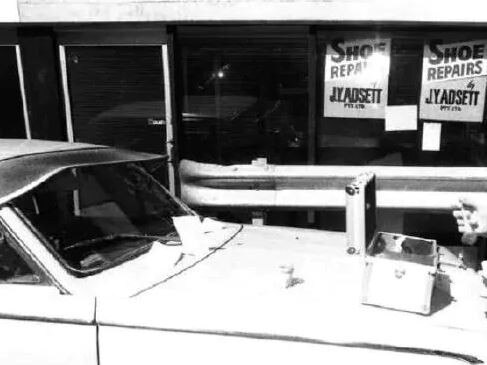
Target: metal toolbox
x,y
360,212
400,272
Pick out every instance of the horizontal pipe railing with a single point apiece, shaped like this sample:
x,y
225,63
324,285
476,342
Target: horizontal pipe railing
x,y
320,187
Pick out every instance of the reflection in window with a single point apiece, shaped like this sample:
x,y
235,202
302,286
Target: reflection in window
x,y
117,96
12,125
245,97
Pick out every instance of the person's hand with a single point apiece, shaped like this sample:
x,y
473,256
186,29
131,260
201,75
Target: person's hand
x,y
471,219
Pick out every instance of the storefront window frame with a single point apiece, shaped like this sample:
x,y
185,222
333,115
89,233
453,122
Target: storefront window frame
x,y
424,33
135,37
9,38
257,30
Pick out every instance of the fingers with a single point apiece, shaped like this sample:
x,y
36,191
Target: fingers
x,y
469,238
463,218
468,203
457,206
467,225
458,214
468,218
465,203
467,222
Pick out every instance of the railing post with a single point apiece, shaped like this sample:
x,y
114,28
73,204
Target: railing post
x,y
258,218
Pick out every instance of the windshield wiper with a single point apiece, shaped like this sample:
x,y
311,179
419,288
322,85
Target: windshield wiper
x,y
99,261
102,262
128,236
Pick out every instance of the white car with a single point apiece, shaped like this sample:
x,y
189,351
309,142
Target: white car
x,y
100,264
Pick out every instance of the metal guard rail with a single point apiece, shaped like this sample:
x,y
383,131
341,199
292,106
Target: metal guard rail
x,y
320,187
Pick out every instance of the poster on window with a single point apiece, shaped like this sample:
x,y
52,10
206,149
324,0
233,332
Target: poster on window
x,y
356,78
453,81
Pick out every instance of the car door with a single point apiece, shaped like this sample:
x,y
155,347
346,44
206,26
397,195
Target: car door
x,y
38,324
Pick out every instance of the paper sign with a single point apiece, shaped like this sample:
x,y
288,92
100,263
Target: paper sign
x,y
454,81
192,235
356,78
431,136
401,118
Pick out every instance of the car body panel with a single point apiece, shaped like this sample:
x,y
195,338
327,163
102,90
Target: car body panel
x,y
252,294
44,342
243,291
39,325
129,346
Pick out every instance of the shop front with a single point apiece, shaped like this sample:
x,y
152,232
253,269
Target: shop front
x,y
329,85
338,96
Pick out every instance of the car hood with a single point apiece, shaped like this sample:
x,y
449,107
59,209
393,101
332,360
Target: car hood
x,y
160,264
293,283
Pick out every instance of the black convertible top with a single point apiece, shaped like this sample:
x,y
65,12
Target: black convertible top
x,y
25,164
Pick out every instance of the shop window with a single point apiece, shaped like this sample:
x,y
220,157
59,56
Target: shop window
x,y
245,96
13,123
351,139
346,136
116,96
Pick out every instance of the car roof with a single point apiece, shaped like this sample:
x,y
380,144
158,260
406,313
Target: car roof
x,y
25,164
11,148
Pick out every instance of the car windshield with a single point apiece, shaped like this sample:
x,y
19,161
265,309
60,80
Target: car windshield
x,y
95,217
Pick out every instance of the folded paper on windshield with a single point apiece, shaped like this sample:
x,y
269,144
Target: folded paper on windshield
x,y
192,235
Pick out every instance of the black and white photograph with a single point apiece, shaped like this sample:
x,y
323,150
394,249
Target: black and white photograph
x,y
236,182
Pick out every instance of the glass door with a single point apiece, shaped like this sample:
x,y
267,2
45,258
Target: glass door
x,y
15,122
117,94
